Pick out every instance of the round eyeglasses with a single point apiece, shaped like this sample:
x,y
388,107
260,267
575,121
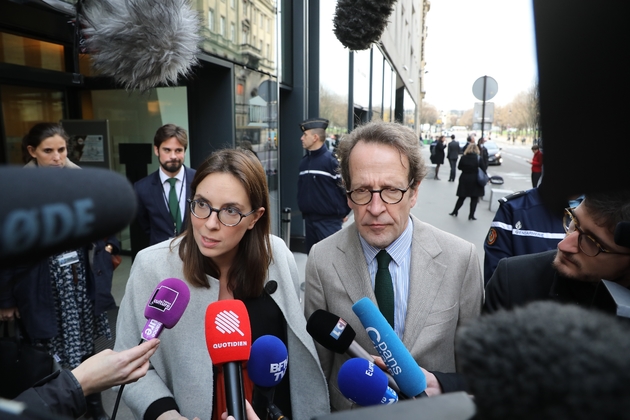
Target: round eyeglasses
x,y
589,246
363,196
228,216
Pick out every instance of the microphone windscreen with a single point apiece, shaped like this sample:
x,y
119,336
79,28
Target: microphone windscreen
x,y
360,23
168,302
228,331
401,364
330,331
363,383
141,43
50,210
268,361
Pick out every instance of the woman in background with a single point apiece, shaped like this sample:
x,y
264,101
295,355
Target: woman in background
x,y
226,252
536,162
61,300
468,186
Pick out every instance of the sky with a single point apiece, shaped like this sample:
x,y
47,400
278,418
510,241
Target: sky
x,y
469,39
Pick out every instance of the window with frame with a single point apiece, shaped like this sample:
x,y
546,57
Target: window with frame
x,y
211,20
222,26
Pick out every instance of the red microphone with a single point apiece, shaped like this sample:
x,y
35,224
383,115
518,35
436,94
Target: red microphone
x,y
229,339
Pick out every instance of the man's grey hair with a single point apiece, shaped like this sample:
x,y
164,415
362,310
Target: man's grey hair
x,y
607,208
394,135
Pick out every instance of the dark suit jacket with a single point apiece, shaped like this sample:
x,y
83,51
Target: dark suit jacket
x,y
153,215
453,150
528,278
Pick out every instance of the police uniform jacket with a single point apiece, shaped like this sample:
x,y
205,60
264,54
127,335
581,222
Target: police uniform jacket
x,y
320,195
522,225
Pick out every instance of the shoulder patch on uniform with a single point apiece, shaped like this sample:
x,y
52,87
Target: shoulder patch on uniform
x,y
512,196
492,236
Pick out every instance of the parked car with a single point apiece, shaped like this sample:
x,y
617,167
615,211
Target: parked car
x,y
494,153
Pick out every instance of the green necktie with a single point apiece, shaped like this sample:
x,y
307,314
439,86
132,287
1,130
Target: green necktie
x,y
383,287
173,205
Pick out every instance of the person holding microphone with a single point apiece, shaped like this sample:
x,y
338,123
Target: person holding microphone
x,y
225,252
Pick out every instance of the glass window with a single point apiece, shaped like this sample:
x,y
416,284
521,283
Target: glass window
x,y
22,108
30,52
362,79
388,91
333,73
211,20
410,110
232,32
222,26
377,84
257,126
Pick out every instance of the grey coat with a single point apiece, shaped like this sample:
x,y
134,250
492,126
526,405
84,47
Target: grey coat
x,y
182,368
446,288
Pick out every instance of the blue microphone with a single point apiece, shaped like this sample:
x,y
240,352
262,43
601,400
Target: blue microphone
x,y
267,365
363,383
399,361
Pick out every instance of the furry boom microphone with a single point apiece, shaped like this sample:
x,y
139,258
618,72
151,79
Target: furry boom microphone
x,y
360,23
141,43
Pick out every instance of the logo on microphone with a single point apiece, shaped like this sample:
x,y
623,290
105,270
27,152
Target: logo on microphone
x,y
336,332
383,350
164,298
227,322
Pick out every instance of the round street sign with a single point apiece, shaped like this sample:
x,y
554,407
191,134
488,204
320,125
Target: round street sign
x,y
492,87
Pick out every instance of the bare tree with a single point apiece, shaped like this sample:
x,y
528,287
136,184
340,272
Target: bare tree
x,y
334,108
428,114
466,119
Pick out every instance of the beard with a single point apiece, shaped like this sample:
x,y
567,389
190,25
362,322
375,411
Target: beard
x,y
573,269
172,166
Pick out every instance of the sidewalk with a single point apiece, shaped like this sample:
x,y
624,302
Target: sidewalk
x,y
435,200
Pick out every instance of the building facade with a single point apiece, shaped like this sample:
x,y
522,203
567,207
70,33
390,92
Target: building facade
x,y
264,67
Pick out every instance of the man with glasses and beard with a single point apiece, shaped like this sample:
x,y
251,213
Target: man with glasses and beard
x,y
571,273
162,195
425,281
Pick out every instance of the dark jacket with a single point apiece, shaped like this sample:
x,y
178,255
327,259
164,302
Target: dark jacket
x,y
453,150
59,394
468,186
483,152
29,287
320,195
153,215
527,278
438,153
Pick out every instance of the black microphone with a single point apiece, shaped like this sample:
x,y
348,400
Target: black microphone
x,y
141,43
335,334
49,210
360,23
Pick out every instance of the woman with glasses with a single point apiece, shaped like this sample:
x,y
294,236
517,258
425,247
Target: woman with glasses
x,y
468,186
225,252
61,300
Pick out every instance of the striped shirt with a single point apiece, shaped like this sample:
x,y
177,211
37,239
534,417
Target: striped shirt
x,y
399,268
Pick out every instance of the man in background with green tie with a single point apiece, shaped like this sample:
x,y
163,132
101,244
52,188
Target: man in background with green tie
x,y
425,281
162,195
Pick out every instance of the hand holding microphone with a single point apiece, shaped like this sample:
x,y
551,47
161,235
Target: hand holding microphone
x,y
229,336
164,309
401,364
337,335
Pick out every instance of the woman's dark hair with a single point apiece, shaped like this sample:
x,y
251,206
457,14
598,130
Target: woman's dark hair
x,y
248,272
39,133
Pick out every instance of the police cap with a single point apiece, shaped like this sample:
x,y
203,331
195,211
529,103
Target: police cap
x,y
314,123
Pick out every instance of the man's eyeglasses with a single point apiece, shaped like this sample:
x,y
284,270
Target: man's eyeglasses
x,y
587,244
229,216
363,196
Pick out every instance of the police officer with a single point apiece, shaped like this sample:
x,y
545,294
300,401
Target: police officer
x,y
321,198
522,225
